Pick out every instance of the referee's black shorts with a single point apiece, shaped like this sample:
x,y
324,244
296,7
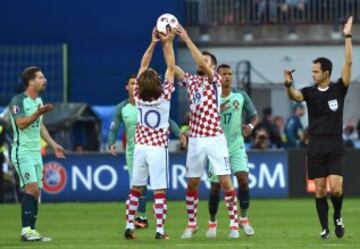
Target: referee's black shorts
x,y
325,157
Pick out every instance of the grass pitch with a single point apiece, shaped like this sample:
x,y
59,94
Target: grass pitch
x,y
289,223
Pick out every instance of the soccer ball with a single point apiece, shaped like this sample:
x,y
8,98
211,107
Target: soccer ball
x,y
165,21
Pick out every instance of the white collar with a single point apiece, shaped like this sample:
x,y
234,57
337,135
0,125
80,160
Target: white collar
x,y
323,89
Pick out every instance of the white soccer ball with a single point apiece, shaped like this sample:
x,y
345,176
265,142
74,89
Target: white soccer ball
x,y
165,21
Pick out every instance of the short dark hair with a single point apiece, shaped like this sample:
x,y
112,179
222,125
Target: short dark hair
x,y
325,64
149,85
131,76
225,66
212,56
267,111
28,74
298,106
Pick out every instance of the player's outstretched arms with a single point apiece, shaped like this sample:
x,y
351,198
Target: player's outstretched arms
x,y
179,74
346,71
145,61
293,94
195,52
24,122
168,51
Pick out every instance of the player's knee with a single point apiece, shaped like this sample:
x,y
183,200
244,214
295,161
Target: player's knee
x,y
215,188
193,184
139,189
160,191
225,183
244,185
33,189
321,192
336,191
34,192
243,180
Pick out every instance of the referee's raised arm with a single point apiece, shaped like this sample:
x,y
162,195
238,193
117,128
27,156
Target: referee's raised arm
x,y
346,70
293,93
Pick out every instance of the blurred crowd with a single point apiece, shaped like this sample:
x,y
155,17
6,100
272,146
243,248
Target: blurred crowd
x,y
254,11
210,13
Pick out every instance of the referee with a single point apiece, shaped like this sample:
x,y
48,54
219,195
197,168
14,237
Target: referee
x,y
325,102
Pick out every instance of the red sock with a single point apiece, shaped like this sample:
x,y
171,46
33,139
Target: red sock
x,y
192,200
132,204
231,205
160,211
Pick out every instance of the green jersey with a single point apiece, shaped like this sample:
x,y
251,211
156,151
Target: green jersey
x,y
231,118
126,113
28,139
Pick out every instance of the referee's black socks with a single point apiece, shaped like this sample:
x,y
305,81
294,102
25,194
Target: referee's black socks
x,y
337,204
27,210
322,208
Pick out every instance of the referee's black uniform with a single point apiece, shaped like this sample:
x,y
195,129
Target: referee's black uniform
x,y
325,112
326,147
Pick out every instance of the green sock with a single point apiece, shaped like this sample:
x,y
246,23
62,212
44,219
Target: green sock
x,y
244,201
213,205
243,212
36,208
27,210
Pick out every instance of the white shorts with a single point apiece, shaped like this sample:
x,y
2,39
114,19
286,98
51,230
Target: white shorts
x,y
204,150
150,161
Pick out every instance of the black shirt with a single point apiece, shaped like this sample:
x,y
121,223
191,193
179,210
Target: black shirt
x,y
325,108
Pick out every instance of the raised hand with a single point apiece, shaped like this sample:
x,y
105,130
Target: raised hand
x,y
288,79
45,108
169,36
154,35
348,26
181,32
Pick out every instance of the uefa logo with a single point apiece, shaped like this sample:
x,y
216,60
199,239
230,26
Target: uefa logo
x,y
55,177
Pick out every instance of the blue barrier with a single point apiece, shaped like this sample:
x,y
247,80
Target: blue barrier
x,y
102,177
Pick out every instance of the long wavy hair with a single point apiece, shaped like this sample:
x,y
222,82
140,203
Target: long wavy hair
x,y
149,85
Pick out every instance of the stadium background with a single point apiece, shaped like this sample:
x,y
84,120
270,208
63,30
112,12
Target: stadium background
x,y
88,49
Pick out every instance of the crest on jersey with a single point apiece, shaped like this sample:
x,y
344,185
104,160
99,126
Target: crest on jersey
x,y
15,109
236,104
27,176
333,105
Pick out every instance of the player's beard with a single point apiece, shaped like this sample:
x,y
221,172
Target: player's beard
x,y
42,89
227,84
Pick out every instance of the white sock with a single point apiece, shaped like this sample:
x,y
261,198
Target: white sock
x,y
160,230
24,230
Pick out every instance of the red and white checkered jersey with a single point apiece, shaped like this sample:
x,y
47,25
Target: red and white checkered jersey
x,y
152,126
204,99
